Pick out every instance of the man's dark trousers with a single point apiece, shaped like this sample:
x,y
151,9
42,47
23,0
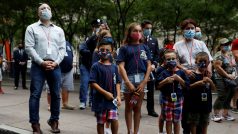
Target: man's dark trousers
x,y
20,69
150,96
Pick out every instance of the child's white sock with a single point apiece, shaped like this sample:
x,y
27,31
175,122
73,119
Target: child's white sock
x,y
131,132
107,131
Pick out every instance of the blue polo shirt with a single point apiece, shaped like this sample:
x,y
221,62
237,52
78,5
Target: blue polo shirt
x,y
106,76
135,58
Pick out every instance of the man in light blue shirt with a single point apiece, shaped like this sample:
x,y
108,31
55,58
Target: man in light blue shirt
x,y
45,44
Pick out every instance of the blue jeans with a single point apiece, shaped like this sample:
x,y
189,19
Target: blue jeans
x,y
84,79
38,77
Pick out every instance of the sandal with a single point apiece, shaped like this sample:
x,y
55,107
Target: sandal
x,y
68,107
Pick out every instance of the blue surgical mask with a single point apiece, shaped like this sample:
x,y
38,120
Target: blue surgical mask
x,y
226,48
171,64
104,55
189,34
147,32
198,35
46,14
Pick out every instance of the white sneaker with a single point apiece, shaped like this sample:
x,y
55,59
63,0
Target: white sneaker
x,y
145,97
82,106
107,131
131,132
234,110
222,117
229,117
216,118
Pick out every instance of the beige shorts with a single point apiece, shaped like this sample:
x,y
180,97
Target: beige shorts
x,y
67,80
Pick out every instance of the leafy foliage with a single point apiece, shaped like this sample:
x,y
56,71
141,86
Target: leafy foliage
x,y
216,18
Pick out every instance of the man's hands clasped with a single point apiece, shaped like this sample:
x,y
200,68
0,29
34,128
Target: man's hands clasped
x,y
49,65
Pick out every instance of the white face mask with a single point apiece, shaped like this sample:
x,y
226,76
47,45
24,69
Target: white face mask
x,y
46,14
97,30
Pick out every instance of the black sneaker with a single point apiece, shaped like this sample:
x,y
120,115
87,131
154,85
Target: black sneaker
x,y
25,88
234,110
153,114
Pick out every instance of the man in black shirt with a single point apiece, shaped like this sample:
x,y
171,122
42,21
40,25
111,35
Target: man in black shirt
x,y
20,65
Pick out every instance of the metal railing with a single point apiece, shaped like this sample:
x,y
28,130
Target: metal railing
x,y
8,69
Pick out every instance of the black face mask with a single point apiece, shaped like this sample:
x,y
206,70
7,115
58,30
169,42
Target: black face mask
x,y
171,64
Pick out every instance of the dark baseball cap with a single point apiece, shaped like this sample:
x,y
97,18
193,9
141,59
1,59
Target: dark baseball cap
x,y
107,40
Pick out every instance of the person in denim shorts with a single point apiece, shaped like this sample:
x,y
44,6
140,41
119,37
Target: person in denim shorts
x,y
135,67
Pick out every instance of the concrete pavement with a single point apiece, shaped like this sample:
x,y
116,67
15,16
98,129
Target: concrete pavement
x,y
14,113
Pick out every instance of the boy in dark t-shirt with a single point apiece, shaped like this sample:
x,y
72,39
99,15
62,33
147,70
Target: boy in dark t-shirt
x,y
171,82
105,82
199,97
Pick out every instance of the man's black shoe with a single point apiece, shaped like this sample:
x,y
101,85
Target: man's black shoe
x,y
25,88
36,128
54,126
154,114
